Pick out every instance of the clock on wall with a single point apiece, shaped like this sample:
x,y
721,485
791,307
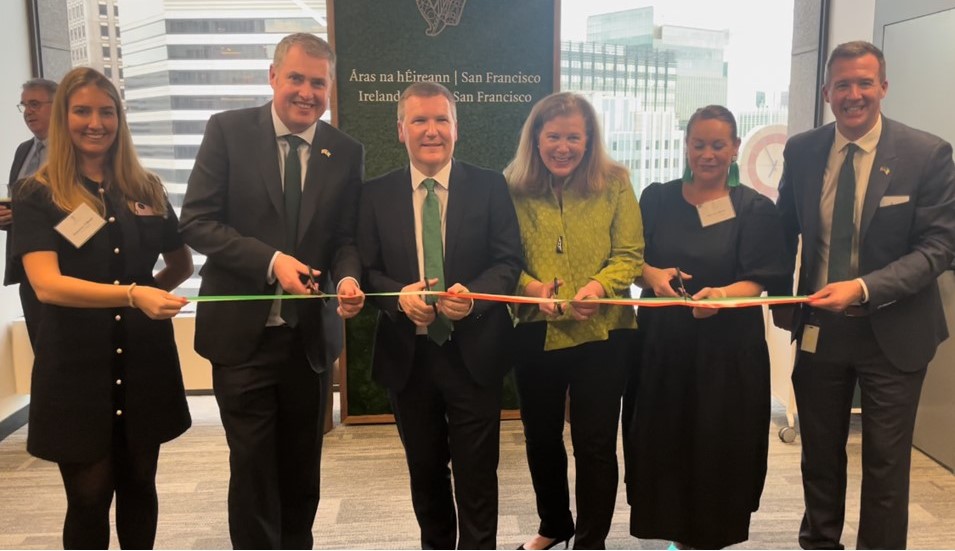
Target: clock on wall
x,y
761,159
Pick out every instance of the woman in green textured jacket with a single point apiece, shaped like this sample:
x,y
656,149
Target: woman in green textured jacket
x,y
583,238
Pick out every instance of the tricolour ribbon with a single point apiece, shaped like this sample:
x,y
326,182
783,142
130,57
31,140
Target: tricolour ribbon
x,y
729,302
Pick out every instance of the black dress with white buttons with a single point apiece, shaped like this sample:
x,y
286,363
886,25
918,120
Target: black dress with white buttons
x,y
101,373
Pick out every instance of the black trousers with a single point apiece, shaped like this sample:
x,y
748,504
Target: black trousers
x,y
272,409
594,374
824,383
444,416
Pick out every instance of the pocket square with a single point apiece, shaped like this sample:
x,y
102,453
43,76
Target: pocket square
x,y
890,200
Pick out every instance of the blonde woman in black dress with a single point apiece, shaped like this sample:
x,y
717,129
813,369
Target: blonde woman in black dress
x,y
107,388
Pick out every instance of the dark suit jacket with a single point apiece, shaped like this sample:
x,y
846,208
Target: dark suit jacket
x,y
233,213
482,252
903,246
14,270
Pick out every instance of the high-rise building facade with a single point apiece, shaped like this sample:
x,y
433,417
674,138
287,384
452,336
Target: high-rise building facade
x,y
701,72
648,142
618,70
94,31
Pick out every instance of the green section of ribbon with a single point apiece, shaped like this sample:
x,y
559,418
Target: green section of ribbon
x,y
242,298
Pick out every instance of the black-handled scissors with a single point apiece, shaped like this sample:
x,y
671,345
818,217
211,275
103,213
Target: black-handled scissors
x,y
558,306
681,288
312,284
434,305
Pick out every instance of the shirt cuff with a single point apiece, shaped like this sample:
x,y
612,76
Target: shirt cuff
x,y
865,290
346,278
270,277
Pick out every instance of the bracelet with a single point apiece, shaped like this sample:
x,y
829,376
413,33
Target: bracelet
x,y
129,295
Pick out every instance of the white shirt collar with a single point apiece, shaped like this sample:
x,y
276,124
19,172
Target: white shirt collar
x,y
866,143
443,177
281,130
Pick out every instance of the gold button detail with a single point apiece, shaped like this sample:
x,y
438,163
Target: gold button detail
x,y
119,350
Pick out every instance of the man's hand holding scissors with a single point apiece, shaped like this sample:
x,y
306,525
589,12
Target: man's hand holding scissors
x,y
414,306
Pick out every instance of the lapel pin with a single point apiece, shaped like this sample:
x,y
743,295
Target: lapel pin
x,y
328,154
884,170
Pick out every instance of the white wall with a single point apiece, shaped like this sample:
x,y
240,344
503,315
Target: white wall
x,y
15,45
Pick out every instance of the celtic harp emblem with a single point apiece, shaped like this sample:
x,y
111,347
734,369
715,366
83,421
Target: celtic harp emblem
x,y
440,13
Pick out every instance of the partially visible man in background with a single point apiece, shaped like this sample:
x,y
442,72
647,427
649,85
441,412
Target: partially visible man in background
x,y
36,104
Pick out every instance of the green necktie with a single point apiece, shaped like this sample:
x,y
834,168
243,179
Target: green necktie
x,y
292,182
843,220
440,329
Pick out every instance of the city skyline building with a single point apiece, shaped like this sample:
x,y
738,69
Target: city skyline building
x,y
94,36
649,143
701,72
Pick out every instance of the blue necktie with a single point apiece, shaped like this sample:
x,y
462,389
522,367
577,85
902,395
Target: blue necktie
x,y
34,163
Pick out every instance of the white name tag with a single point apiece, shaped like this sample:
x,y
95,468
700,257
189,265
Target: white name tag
x,y
80,225
716,211
810,338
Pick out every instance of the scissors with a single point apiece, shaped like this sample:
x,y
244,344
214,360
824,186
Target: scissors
x,y
559,307
434,305
312,284
681,288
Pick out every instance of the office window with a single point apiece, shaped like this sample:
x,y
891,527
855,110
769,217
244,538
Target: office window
x,y
663,60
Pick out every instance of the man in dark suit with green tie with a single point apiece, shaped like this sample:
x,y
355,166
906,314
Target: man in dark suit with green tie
x,y
272,203
874,202
438,224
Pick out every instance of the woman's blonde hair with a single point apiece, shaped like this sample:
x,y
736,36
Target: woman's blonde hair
x,y
527,175
122,169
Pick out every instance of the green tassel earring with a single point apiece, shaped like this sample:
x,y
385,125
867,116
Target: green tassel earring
x,y
732,179
687,173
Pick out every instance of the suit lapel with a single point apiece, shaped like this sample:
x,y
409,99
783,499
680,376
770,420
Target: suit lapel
x,y
817,158
18,159
322,169
458,192
400,198
880,176
267,158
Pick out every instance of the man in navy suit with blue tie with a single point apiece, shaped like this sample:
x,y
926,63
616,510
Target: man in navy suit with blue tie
x,y
874,203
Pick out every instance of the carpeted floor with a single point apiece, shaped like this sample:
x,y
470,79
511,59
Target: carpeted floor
x,y
366,504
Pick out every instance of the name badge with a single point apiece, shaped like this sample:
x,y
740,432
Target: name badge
x,y
716,211
80,225
810,338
